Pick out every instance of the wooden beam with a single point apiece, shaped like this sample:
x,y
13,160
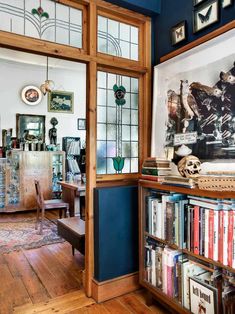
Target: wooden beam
x,y
199,41
90,174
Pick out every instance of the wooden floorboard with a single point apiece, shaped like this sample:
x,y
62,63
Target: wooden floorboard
x,y
49,280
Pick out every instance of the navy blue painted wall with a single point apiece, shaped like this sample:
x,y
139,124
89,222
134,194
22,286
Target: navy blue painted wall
x,y
175,11
147,7
115,232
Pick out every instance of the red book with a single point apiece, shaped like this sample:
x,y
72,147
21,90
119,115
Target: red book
x,y
211,233
221,236
230,236
196,230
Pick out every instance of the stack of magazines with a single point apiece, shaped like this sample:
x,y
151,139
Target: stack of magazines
x,y
180,181
155,168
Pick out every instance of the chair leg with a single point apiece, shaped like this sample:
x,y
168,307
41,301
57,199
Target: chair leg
x,y
60,213
42,219
37,218
67,213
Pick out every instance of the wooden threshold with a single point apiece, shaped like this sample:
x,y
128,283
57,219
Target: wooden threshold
x,y
105,290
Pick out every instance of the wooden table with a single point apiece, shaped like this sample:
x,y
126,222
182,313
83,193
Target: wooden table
x,y
71,193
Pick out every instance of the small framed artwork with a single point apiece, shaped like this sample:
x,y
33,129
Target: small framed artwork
x,y
196,2
30,127
60,101
81,124
205,15
202,297
226,3
178,33
31,95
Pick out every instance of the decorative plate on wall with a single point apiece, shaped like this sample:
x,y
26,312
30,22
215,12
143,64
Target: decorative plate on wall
x,y
31,95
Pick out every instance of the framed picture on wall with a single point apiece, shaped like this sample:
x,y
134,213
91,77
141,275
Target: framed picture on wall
x,y
178,33
226,3
81,124
196,2
30,127
205,15
60,101
31,95
194,92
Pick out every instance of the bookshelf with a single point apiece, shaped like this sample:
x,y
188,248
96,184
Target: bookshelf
x,y
154,248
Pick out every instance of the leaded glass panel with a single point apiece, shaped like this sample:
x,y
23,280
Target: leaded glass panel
x,y
118,39
117,145
43,19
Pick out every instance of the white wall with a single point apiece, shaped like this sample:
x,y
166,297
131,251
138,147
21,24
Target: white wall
x,y
19,69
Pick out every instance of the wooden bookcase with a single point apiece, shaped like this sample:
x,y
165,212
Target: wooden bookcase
x,y
18,172
145,188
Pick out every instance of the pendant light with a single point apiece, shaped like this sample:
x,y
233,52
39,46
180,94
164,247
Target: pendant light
x,y
48,85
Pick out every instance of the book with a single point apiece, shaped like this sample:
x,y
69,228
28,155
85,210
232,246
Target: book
x,y
203,297
196,230
150,177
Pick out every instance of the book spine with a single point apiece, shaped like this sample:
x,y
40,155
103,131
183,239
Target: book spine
x,y
196,230
221,236
192,229
216,235
164,271
211,232
169,221
177,223
206,253
149,171
154,218
225,236
230,237
233,250
153,267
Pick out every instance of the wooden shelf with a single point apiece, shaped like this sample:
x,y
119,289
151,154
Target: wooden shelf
x,y
145,187
183,190
162,297
173,246
209,260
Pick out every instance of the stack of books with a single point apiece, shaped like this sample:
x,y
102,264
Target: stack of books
x,y
155,168
180,181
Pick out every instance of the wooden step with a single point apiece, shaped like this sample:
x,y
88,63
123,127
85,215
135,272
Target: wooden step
x,y
63,304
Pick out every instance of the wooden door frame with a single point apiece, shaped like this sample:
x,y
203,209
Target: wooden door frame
x,y
88,54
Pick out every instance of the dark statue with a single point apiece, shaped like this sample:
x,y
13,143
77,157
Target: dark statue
x,y
53,131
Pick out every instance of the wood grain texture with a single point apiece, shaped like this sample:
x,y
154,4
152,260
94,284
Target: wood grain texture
x,y
102,291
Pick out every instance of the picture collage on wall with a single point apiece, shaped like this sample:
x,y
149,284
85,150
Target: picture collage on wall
x,y
207,110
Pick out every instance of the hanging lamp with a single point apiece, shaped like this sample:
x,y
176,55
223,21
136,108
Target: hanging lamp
x,y
48,85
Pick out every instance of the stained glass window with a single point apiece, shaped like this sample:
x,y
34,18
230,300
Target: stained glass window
x,y
118,39
43,19
117,124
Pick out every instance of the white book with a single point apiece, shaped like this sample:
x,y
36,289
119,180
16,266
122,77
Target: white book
x,y
189,270
159,220
153,268
154,217
206,251
216,235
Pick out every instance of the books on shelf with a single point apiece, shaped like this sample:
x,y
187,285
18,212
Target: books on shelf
x,y
179,181
188,243
155,167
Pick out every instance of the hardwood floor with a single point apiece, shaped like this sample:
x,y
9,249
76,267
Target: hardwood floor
x,y
49,280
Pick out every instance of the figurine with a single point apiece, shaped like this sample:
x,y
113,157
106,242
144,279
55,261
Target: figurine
x,y
53,131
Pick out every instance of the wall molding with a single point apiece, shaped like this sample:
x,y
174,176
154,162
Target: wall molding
x,y
199,41
105,290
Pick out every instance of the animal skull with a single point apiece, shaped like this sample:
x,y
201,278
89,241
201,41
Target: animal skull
x,y
189,166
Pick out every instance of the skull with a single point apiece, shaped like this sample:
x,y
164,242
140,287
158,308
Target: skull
x,y
189,166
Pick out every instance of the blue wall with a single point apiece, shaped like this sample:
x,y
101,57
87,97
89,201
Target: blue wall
x,y
175,11
147,7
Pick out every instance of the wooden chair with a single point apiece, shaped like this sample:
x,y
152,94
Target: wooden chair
x,y
48,204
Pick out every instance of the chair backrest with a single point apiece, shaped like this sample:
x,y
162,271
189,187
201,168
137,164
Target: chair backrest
x,y
39,195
